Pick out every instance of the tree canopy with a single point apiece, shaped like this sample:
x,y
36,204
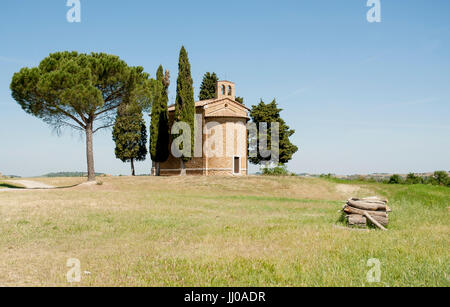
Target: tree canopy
x,y
270,113
81,91
208,88
130,134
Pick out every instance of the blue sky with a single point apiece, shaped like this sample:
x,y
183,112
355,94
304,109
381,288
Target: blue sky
x,y
362,97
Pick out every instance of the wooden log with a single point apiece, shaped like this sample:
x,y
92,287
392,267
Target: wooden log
x,y
375,222
373,199
382,220
366,206
356,220
370,206
360,220
350,210
370,202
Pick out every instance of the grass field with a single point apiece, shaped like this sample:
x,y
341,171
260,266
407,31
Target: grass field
x,y
195,231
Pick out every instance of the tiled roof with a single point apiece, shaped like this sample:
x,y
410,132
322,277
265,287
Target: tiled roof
x,y
203,103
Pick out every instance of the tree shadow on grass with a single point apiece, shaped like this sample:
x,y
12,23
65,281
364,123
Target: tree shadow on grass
x,y
10,186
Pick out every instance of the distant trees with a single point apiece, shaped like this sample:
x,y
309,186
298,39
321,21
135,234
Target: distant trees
x,y
184,111
270,113
71,89
208,88
438,178
159,129
130,134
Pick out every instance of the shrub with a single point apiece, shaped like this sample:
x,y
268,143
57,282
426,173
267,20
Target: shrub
x,y
280,170
413,179
441,178
395,179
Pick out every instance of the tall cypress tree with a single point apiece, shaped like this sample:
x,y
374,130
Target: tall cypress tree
x,y
270,113
208,89
184,104
159,129
130,134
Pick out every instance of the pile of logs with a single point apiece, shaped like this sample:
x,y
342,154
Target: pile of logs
x,y
361,210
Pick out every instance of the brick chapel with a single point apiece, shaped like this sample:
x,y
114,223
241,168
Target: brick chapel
x,y
220,137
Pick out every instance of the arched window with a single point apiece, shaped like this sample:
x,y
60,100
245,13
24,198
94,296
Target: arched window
x,y
223,90
230,90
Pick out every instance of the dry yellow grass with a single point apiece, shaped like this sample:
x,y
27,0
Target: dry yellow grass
x,y
198,231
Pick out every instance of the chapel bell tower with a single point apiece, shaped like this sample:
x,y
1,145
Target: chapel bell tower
x,y
226,89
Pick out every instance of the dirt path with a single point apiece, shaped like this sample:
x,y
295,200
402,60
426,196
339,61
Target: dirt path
x,y
347,189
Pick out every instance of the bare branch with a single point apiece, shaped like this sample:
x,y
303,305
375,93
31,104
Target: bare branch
x,y
103,127
72,126
72,117
106,110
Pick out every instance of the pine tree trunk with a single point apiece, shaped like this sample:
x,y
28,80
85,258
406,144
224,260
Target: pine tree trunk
x,y
90,152
133,173
183,168
158,169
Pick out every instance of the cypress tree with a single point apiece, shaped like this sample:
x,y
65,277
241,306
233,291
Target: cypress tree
x,y
208,89
159,129
130,134
270,113
184,104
